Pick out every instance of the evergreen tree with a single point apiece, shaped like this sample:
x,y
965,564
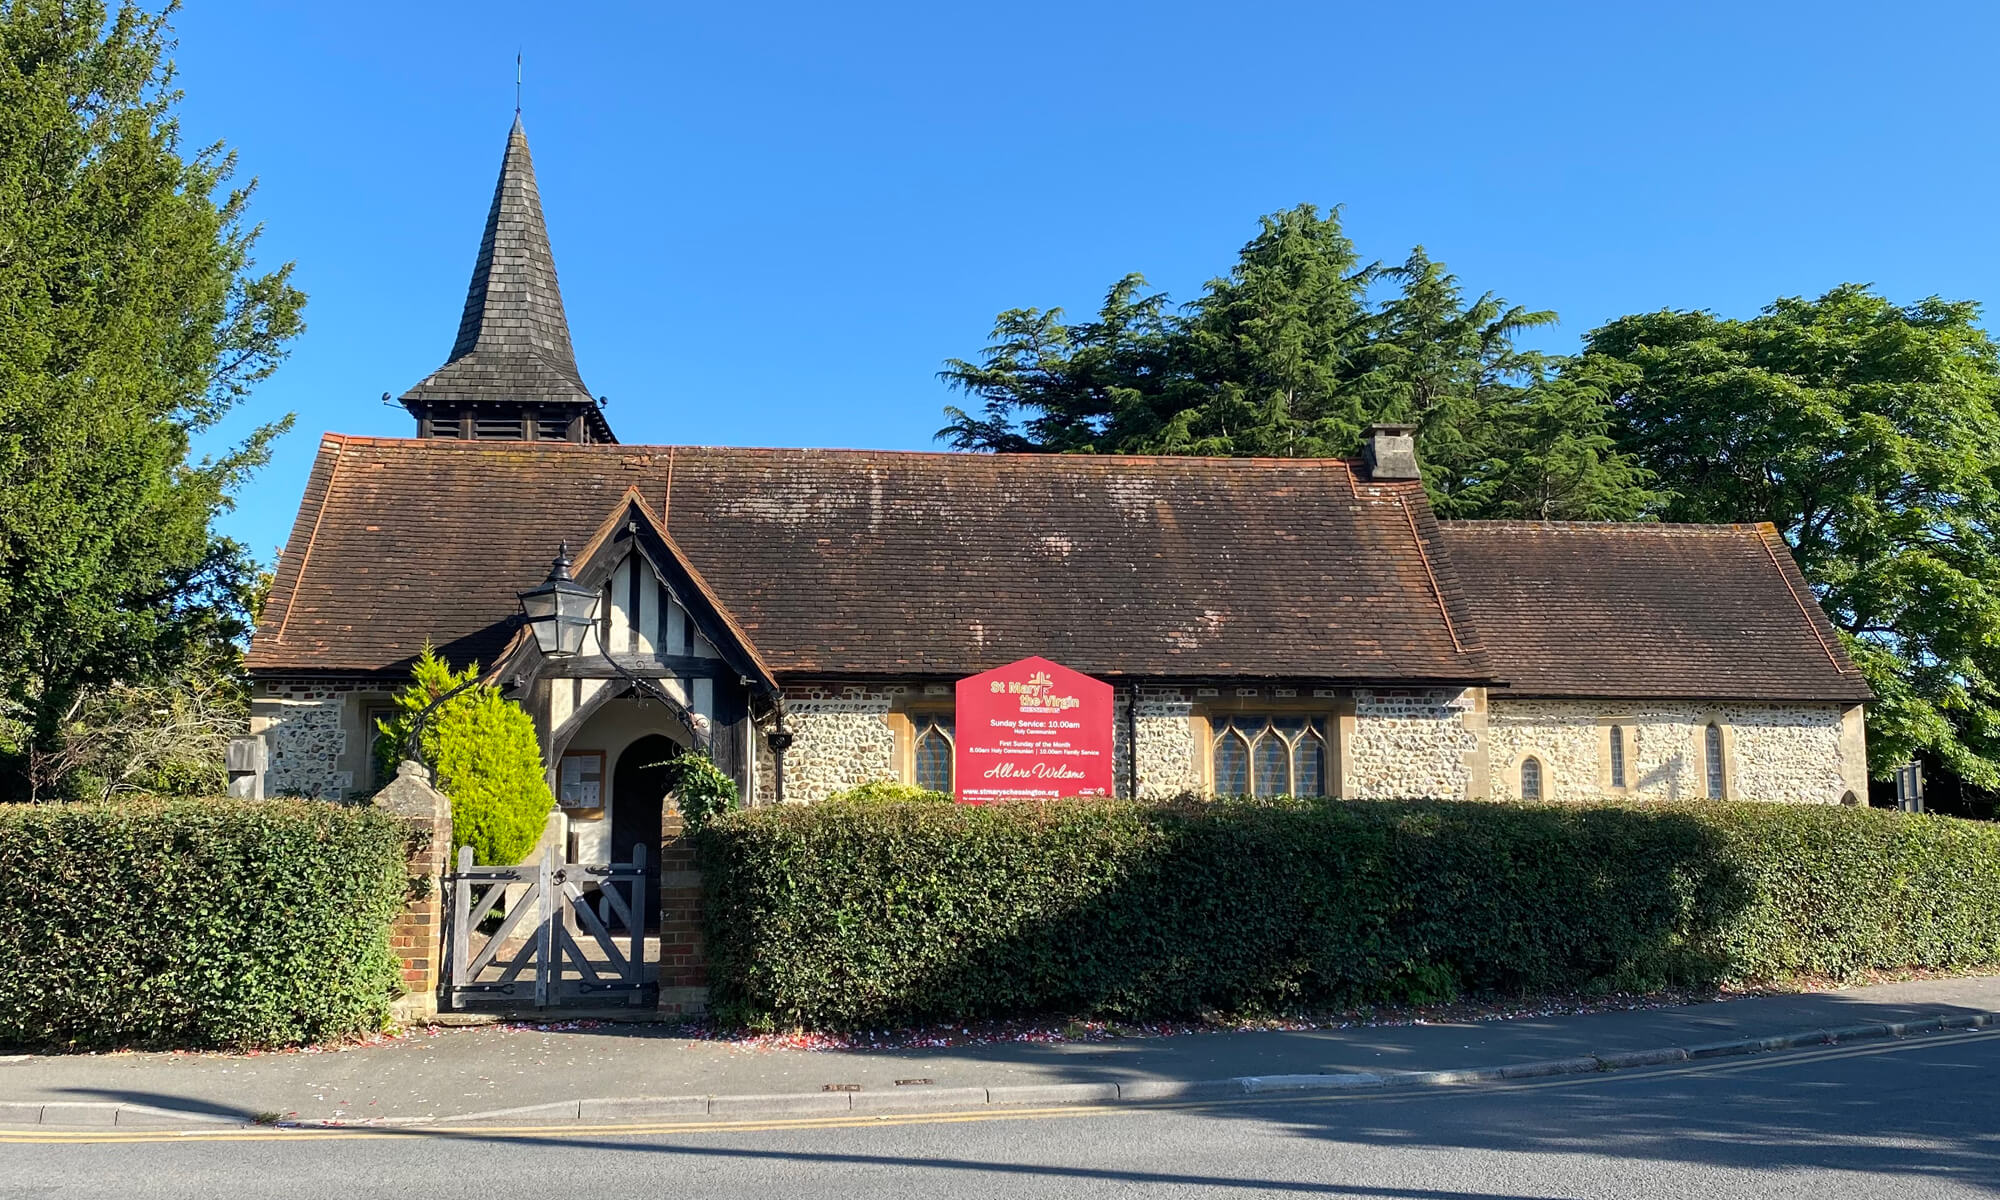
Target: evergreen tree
x,y
1291,355
482,750
131,319
1276,349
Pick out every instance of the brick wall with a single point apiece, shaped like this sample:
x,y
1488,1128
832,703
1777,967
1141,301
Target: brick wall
x,y
683,966
416,935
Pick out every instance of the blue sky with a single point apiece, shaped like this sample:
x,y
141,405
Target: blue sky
x,y
772,222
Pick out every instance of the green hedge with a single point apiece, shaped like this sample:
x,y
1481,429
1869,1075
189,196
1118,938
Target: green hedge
x,y
851,915
210,923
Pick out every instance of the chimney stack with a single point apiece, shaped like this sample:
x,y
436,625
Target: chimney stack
x,y
1390,451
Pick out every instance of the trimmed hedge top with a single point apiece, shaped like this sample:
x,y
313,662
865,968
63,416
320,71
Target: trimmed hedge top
x,y
197,923
850,915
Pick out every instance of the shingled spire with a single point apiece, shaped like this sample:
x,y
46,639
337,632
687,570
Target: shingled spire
x,y
512,372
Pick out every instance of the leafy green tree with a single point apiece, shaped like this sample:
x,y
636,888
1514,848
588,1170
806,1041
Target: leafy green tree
x,y
1867,432
1292,354
482,751
131,320
1502,432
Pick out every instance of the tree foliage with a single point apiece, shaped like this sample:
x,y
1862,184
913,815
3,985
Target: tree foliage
x,y
1292,354
483,752
1867,432
162,737
132,319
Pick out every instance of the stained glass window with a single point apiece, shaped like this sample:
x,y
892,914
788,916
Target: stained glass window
x,y
1617,756
1232,764
1270,774
1712,743
1270,756
934,753
1531,779
1309,765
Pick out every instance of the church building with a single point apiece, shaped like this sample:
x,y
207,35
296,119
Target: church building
x,y
1268,626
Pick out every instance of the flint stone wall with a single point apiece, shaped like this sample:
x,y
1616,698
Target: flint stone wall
x,y
308,728
1416,742
1169,759
1790,753
840,738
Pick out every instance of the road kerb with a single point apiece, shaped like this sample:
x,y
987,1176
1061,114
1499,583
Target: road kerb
x,y
94,1114
919,1099
1625,1059
1331,1082
788,1104
1140,1091
1052,1093
641,1108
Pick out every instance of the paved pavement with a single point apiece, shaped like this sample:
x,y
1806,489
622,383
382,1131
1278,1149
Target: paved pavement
x,y
1902,1118
460,1073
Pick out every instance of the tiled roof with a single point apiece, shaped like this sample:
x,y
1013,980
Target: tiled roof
x,y
1648,611
513,342
842,562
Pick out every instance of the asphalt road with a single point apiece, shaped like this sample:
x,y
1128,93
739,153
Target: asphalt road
x,y
1879,1119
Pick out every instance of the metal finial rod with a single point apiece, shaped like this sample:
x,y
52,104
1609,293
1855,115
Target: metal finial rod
x,y
517,83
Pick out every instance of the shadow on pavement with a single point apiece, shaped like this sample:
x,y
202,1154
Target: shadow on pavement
x,y
1913,1109
162,1100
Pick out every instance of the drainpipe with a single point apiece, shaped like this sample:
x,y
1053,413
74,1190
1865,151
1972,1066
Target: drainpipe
x,y
779,740
1132,741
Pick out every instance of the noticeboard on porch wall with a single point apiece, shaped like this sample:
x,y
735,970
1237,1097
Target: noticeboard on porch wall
x,y
580,783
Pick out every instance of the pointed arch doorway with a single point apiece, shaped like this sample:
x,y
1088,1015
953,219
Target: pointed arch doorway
x,y
638,804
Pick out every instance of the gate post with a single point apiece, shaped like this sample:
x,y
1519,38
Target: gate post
x,y
417,932
683,960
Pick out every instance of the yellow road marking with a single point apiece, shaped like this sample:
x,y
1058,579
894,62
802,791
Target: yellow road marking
x,y
1723,1065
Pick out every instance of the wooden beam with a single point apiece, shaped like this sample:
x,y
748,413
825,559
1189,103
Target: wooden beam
x,y
650,666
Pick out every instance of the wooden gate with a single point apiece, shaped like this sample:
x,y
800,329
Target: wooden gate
x,y
558,940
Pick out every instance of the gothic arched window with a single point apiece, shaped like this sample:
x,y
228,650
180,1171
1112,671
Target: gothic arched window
x,y
1531,778
1712,753
934,754
1270,756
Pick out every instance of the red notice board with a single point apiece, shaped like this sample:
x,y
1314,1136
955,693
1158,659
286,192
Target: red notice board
x,y
1032,730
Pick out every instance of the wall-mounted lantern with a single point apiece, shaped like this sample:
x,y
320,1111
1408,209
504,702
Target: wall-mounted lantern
x,y
561,611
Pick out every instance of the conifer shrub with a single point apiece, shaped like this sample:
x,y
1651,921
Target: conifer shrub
x,y
484,755
857,915
197,923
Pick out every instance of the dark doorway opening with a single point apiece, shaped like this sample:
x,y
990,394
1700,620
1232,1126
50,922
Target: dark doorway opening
x,y
638,803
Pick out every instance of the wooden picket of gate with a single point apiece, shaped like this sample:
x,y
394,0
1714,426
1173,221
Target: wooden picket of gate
x,y
557,944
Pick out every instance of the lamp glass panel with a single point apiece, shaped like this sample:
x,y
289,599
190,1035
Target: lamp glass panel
x,y
575,611
539,604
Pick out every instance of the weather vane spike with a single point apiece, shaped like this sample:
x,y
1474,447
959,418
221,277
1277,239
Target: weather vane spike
x,y
517,83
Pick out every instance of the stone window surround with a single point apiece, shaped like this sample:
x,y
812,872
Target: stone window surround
x,y
1552,785
1336,713
1702,721
906,718
1604,784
